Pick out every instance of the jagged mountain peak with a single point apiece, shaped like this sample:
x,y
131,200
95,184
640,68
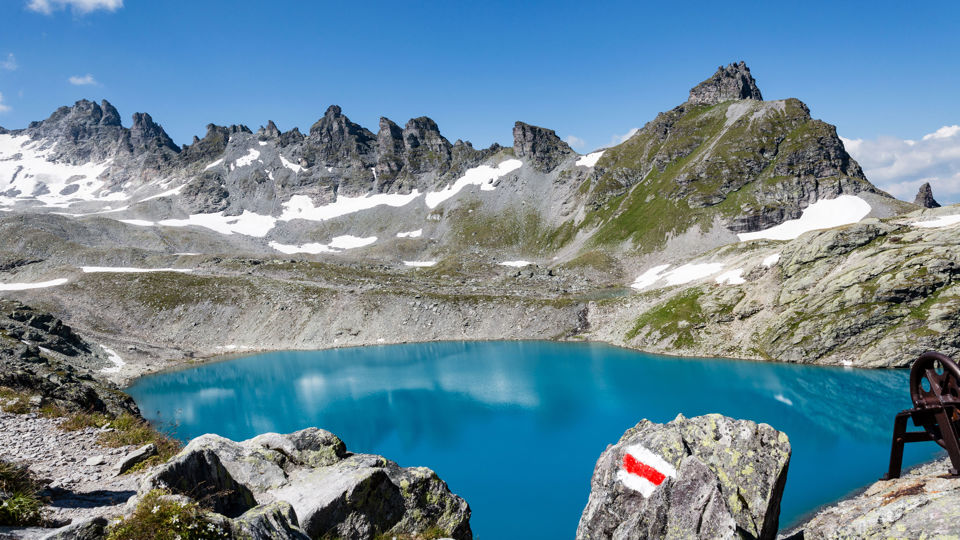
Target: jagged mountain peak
x,y
541,145
731,82
925,198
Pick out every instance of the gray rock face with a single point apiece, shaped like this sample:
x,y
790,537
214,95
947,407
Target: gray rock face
x,y
731,82
331,492
268,522
87,529
925,198
920,504
133,458
199,474
539,145
703,477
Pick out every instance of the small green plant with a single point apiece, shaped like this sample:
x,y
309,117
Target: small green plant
x,y
20,504
159,518
83,420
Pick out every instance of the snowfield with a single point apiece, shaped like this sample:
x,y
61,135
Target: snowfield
x,y
252,155
939,221
483,176
589,160
24,168
823,214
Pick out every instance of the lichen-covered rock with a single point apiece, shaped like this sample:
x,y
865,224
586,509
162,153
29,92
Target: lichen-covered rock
x,y
199,474
268,522
703,477
331,491
923,503
87,529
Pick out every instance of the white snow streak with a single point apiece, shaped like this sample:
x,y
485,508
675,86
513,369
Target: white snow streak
x,y
483,176
27,286
411,234
823,214
214,164
678,276
517,264
336,245
129,270
290,165
420,264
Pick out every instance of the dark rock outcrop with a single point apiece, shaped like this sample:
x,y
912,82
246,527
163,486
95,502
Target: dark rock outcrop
x,y
332,492
146,133
336,141
42,356
539,145
703,477
925,198
731,82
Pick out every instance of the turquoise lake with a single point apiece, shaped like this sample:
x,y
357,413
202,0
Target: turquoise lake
x,y
516,427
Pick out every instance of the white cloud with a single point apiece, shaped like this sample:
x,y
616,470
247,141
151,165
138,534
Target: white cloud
x,y
901,166
10,63
619,139
86,80
3,108
80,7
575,142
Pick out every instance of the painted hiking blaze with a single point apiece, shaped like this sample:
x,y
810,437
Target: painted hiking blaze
x,y
644,471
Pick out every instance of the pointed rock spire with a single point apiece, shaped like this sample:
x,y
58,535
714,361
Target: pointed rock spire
x,y
925,197
728,83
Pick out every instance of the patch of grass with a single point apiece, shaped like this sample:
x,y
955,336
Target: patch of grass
x,y
14,401
83,420
159,518
432,533
677,317
20,504
128,430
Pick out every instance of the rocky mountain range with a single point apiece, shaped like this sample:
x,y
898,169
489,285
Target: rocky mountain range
x,y
687,238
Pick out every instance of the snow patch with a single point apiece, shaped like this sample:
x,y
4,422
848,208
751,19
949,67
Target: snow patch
x,y
411,234
678,276
290,165
771,260
823,214
27,286
420,264
590,159
214,164
517,264
252,155
137,222
939,221
129,270
24,168
483,176
731,277
301,207
113,357
248,223
336,245
167,193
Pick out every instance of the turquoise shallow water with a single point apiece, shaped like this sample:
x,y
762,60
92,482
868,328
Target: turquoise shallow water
x,y
516,427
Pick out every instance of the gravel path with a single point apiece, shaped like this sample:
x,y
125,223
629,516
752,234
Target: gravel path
x,y
77,470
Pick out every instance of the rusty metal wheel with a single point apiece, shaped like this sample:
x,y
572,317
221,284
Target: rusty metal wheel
x,y
935,382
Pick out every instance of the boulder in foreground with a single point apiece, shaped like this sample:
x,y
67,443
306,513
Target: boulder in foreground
x,y
703,477
330,492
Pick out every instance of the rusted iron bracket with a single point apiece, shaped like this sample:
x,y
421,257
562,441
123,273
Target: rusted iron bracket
x,y
935,391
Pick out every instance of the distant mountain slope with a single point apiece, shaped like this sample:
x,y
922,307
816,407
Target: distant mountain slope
x,y
722,163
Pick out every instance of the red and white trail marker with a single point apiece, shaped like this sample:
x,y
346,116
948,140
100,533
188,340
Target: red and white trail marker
x,y
644,471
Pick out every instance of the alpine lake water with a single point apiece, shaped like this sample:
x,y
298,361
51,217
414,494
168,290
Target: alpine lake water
x,y
515,428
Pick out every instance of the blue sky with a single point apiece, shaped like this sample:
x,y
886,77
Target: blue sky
x,y
590,70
